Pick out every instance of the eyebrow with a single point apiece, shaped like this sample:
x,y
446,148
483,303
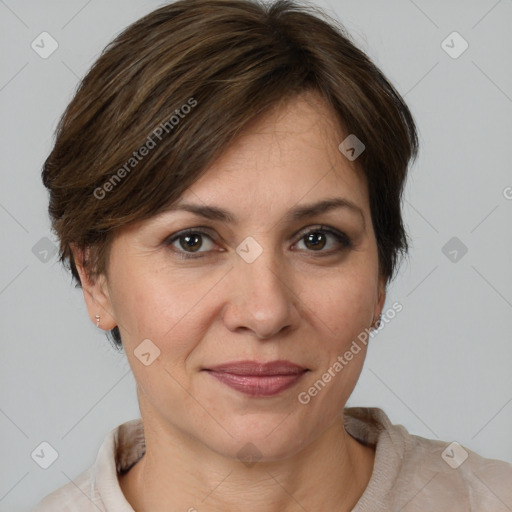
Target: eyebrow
x,y
295,214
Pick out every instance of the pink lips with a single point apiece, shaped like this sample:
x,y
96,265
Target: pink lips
x,y
258,379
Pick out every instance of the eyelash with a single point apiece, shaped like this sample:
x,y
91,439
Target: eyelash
x,y
341,237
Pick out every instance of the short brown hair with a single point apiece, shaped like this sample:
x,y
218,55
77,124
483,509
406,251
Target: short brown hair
x,y
193,74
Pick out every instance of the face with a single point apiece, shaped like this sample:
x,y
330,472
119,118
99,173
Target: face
x,y
275,280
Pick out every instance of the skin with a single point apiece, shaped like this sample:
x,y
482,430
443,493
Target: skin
x,y
304,302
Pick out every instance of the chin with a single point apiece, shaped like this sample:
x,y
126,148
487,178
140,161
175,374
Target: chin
x,y
264,439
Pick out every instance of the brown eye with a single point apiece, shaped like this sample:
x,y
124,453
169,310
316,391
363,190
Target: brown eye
x,y
315,240
192,242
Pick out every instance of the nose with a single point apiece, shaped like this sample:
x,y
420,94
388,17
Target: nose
x,y
262,298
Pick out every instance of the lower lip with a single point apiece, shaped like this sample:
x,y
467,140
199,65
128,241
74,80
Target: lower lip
x,y
267,385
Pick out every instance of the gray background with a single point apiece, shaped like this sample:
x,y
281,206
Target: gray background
x,y
441,367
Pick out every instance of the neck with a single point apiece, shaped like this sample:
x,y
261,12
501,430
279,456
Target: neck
x,y
174,474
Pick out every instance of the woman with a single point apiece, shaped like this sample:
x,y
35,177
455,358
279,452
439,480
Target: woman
x,y
226,188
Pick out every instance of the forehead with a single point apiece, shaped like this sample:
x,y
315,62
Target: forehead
x,y
288,155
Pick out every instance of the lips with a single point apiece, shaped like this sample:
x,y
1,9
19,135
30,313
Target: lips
x,y
258,379
278,367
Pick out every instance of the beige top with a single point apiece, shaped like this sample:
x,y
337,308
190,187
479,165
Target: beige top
x,y
410,474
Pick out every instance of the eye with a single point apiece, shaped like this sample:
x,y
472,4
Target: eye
x,y
189,241
317,239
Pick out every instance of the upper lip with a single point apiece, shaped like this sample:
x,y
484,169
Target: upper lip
x,y
278,367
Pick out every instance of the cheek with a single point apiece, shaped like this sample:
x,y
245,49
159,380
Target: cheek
x,y
168,310
340,313
342,302
164,306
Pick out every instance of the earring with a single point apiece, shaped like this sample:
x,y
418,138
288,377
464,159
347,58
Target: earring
x,y
97,320
377,324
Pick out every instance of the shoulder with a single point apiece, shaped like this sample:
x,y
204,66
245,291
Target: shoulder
x,y
97,489
452,474
73,497
413,473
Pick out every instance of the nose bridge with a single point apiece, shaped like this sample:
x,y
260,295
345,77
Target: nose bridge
x,y
263,300
264,276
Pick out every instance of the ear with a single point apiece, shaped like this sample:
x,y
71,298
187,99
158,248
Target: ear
x,y
96,295
381,297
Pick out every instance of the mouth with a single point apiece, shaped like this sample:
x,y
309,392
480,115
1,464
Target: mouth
x,y
258,379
